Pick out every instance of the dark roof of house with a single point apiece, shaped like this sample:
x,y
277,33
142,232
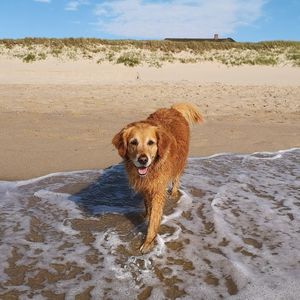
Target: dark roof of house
x,y
199,40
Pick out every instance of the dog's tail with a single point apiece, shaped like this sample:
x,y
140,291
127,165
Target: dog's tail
x,y
189,111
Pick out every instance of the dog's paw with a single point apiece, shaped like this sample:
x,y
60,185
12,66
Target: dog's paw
x,y
174,195
147,247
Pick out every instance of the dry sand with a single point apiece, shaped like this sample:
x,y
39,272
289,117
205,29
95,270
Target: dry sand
x,y
60,116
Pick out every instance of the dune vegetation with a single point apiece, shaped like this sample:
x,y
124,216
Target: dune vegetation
x,y
152,52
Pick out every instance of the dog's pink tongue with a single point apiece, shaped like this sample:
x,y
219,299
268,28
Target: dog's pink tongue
x,y
142,171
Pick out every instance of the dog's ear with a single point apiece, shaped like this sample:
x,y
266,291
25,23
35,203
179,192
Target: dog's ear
x,y
164,141
120,142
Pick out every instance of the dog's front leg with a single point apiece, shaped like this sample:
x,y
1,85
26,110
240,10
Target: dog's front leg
x,y
148,204
157,205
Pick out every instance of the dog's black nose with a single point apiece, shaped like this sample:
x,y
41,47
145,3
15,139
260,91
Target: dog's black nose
x,y
143,159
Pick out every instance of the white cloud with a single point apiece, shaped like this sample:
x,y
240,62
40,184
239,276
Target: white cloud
x,y
74,5
43,1
175,18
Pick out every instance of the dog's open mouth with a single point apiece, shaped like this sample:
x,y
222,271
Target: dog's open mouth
x,y
142,171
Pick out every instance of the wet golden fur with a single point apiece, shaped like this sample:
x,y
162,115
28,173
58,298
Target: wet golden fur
x,y
163,138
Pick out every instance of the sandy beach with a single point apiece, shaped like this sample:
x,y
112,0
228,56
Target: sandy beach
x,y
72,222
61,116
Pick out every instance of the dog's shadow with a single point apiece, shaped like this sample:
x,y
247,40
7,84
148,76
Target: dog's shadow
x,y
109,198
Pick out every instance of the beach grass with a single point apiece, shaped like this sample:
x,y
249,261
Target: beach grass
x,y
130,59
153,52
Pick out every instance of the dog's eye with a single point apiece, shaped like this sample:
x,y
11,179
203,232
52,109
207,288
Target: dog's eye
x,y
134,142
150,142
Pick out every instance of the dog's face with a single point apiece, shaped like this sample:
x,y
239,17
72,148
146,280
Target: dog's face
x,y
141,144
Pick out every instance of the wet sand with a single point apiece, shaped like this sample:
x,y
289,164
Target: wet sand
x,y
64,127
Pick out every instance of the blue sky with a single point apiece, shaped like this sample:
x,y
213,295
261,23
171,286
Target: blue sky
x,y
243,20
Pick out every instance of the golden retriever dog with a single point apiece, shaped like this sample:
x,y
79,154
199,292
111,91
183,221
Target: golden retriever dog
x,y
155,152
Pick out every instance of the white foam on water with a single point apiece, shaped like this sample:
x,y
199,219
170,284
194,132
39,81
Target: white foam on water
x,y
235,233
53,175
60,201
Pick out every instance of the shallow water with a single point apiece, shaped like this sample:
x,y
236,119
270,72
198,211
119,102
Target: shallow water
x,y
234,232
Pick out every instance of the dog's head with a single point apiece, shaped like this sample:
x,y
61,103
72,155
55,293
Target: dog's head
x,y
142,144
